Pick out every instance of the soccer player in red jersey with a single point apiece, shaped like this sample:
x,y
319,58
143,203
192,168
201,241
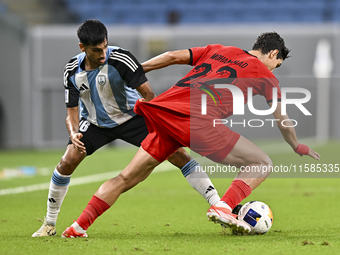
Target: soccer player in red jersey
x,y
176,119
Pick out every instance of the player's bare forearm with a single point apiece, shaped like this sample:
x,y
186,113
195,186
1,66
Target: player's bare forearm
x,y
72,120
167,59
72,124
146,91
288,133
287,130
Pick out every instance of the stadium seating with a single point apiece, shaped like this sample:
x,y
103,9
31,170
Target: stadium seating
x,y
202,11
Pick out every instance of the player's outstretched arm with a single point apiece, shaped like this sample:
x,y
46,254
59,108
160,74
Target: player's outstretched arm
x,y
288,133
167,59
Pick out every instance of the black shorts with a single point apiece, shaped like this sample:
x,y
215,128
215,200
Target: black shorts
x,y
132,131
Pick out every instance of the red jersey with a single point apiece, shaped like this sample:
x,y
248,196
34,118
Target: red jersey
x,y
175,119
218,64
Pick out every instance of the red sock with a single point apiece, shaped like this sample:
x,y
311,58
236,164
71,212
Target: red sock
x,y
237,191
93,210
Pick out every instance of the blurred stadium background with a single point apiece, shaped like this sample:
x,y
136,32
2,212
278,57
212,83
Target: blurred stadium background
x,y
38,37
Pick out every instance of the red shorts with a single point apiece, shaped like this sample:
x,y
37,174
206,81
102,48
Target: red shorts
x,y
172,124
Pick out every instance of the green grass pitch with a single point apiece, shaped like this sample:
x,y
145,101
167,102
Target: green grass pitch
x,y
164,215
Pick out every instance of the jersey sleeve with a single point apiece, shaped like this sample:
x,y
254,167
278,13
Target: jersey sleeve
x,y
128,67
71,92
267,88
196,53
266,82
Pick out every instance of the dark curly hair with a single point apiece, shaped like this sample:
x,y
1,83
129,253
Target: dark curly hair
x,y
92,32
267,42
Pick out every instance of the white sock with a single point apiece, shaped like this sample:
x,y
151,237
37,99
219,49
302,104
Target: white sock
x,y
200,181
78,228
58,188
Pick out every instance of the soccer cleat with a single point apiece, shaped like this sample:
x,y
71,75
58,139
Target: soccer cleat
x,y
70,232
226,218
45,230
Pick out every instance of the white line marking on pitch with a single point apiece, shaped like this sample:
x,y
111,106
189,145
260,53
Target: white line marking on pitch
x,y
165,166
271,149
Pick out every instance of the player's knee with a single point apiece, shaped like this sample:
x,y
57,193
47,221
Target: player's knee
x,y
125,181
123,178
67,165
129,180
266,163
179,158
264,160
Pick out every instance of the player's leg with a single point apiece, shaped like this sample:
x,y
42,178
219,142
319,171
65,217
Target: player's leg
x,y
194,174
134,132
255,166
137,170
148,156
58,188
59,184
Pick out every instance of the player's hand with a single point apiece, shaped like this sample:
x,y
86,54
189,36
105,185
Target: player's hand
x,y
303,149
314,154
77,144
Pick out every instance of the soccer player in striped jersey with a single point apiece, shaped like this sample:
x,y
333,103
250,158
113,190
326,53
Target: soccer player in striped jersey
x,y
104,83
175,119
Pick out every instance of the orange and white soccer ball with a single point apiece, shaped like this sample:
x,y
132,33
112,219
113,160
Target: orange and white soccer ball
x,y
257,215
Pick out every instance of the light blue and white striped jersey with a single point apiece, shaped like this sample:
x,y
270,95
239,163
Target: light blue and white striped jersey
x,y
107,94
